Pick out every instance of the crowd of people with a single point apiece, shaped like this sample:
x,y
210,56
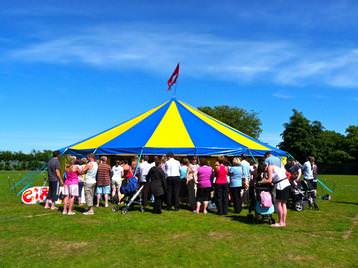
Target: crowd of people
x,y
186,183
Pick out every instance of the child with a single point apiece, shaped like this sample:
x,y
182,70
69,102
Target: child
x,y
70,187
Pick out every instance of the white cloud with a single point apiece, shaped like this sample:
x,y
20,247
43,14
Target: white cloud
x,y
337,69
282,62
281,95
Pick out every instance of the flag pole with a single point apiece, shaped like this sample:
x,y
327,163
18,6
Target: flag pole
x,y
175,90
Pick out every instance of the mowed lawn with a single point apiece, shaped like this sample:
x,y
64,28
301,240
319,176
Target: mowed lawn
x,y
31,236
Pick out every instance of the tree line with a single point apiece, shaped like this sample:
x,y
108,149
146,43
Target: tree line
x,y
24,161
334,152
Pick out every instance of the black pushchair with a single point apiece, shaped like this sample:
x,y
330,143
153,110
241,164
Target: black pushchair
x,y
263,212
132,191
302,195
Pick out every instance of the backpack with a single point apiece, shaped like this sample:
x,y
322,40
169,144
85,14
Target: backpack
x,y
129,186
266,200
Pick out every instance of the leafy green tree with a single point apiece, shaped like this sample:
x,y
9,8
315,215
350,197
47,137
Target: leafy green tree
x,y
328,144
242,120
23,165
298,137
7,165
334,152
352,141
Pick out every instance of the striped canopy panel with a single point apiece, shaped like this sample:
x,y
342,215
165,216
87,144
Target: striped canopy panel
x,y
173,126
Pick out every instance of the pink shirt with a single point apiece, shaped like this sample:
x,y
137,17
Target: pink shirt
x,y
71,177
204,176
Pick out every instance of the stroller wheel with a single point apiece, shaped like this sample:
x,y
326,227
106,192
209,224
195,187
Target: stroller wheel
x,y
272,221
114,209
298,206
142,209
124,210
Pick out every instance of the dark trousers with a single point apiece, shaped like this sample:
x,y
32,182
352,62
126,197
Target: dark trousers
x,y
158,200
191,195
221,194
173,190
145,193
81,184
251,196
52,191
236,198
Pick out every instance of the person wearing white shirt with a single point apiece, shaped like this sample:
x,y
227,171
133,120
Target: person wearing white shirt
x,y
307,169
172,170
309,176
143,170
117,175
277,176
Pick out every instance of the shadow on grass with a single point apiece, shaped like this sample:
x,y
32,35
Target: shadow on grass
x,y
80,209
346,202
243,219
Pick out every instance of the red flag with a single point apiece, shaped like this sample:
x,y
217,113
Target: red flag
x,y
173,78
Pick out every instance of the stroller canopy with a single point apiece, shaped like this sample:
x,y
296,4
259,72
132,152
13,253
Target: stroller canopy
x,y
176,127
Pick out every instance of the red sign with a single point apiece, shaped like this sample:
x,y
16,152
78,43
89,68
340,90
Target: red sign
x,y
34,195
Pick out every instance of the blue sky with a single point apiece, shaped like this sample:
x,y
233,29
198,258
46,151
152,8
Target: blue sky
x,y
70,69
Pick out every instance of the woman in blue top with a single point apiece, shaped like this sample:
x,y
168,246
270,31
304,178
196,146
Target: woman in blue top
x,y
183,174
236,175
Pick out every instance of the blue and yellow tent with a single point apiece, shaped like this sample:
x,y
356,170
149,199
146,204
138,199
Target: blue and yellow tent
x,y
173,126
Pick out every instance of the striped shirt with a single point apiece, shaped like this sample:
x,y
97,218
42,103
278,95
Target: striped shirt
x,y
103,175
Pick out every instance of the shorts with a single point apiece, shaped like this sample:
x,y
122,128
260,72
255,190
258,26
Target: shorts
x,y
282,195
116,182
70,190
52,191
89,193
203,194
103,189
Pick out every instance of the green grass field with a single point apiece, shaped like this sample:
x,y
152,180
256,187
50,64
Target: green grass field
x,y
31,236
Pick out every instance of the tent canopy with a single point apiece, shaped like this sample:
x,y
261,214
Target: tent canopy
x,y
176,127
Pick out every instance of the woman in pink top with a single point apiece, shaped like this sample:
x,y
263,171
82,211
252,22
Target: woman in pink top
x,y
70,187
221,187
204,173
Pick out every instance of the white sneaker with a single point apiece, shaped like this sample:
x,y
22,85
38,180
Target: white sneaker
x,y
64,212
88,213
71,213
